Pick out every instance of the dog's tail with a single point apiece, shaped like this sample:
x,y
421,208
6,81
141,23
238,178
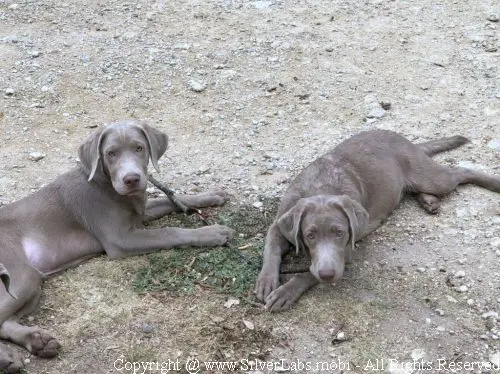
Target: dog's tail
x,y
444,144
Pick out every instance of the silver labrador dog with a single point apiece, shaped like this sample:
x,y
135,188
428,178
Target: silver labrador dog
x,y
98,207
346,194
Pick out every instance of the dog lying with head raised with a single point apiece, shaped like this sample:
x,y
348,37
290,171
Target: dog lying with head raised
x,y
99,207
346,194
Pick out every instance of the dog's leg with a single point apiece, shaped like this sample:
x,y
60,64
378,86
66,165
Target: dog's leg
x,y
430,178
276,246
157,208
285,296
34,339
27,287
430,203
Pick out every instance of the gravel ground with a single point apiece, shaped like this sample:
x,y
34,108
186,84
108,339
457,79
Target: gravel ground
x,y
250,93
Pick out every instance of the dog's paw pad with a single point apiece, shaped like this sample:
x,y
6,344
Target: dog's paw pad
x,y
44,345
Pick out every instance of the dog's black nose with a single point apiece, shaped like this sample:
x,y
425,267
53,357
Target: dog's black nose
x,y
327,275
131,180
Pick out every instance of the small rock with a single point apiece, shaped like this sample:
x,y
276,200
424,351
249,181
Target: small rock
x,y
249,324
421,270
340,336
35,54
197,86
490,314
417,354
470,302
440,312
462,289
440,328
386,105
495,359
9,91
494,144
231,301
260,5
258,204
376,113
13,6
129,35
147,328
492,17
36,156
460,274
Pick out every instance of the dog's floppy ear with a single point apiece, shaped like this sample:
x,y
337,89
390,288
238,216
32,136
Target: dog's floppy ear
x,y
357,215
289,223
90,153
5,278
157,143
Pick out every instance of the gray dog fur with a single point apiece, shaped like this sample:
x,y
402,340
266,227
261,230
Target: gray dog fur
x,y
346,194
98,207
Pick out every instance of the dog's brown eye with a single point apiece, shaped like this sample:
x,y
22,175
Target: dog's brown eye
x,y
111,153
311,236
139,148
338,232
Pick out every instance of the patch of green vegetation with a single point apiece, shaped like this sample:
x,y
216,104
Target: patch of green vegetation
x,y
232,269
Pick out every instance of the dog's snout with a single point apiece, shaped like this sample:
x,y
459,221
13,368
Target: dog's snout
x,y
327,275
131,180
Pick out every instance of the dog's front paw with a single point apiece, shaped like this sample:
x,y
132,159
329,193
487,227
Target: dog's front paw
x,y
10,361
43,344
215,235
218,197
281,298
266,283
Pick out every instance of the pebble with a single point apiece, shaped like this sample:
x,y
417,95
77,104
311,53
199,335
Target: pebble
x,y
35,53
421,270
490,314
462,288
197,86
495,358
258,204
376,113
147,328
492,17
36,156
340,336
9,91
460,274
470,302
440,312
494,144
386,105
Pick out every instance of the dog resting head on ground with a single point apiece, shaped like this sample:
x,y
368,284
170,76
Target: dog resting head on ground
x,y
326,226
120,152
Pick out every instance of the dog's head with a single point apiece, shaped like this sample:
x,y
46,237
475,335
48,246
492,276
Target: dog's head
x,y
120,152
327,226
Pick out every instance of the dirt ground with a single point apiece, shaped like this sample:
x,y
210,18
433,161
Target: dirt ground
x,y
250,92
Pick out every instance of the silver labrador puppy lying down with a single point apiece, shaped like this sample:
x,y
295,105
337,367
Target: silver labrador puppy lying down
x,y
98,207
346,194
